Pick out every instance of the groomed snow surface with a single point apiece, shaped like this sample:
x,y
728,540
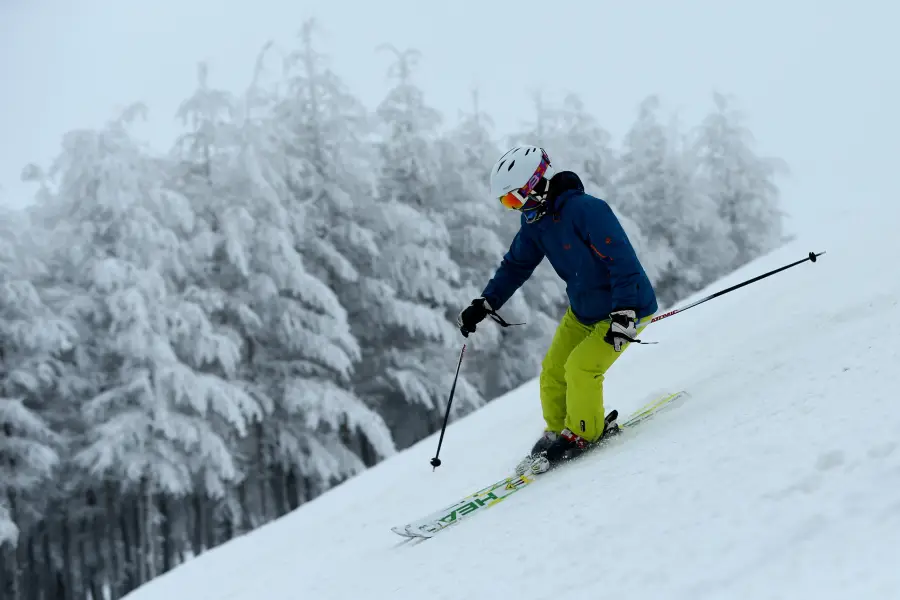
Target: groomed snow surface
x,y
779,478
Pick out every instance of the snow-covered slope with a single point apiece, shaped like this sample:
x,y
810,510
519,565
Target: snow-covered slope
x,y
779,478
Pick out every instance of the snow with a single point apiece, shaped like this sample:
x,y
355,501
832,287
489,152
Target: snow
x,y
779,478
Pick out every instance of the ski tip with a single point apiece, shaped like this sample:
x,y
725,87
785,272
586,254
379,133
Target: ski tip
x,y
411,533
401,531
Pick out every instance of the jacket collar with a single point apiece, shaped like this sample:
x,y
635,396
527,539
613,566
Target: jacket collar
x,y
561,185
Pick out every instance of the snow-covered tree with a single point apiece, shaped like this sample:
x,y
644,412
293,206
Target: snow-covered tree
x,y
299,350
653,190
739,182
32,341
575,141
156,419
408,333
327,134
585,147
38,390
466,153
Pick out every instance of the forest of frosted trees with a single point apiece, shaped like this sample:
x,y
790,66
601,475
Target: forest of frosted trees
x,y
195,342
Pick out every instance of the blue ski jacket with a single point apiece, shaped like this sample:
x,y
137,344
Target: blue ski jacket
x,y
587,247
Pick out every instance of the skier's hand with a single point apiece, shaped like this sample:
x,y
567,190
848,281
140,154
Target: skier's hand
x,y
472,315
622,329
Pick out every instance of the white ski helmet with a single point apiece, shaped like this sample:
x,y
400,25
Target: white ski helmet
x,y
514,177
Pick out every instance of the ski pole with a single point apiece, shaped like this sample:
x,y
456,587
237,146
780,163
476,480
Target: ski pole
x,y
436,462
811,258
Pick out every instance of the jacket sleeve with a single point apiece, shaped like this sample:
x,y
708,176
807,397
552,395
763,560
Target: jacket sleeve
x,y
608,241
518,264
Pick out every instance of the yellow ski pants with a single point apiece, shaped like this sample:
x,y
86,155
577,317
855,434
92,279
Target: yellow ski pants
x,y
572,376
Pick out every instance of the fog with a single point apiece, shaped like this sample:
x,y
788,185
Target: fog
x,y
818,80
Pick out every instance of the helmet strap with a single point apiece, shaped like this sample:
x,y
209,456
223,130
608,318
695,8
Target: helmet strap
x,y
542,193
539,193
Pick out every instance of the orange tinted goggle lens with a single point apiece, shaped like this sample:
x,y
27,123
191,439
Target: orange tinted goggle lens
x,y
512,200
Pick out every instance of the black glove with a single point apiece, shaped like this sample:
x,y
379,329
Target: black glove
x,y
472,315
622,329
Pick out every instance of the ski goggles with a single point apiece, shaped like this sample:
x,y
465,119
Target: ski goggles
x,y
515,200
531,207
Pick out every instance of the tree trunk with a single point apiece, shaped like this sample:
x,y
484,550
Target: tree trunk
x,y
150,531
142,539
140,572
279,494
51,587
312,488
67,553
165,524
10,565
85,565
37,571
218,530
115,566
129,565
228,532
367,451
9,577
209,524
197,529
134,529
21,566
102,572
293,492
245,506
263,472
61,592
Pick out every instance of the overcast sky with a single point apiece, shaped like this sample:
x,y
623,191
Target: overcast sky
x,y
819,79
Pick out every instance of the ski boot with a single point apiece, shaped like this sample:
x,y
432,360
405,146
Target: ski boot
x,y
570,445
543,443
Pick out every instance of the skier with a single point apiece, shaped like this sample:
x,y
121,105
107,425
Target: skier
x,y
610,297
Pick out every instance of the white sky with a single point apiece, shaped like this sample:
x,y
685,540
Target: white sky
x,y
819,79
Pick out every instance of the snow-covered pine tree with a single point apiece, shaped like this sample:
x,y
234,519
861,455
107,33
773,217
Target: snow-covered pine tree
x,y
298,349
408,335
72,508
200,154
157,420
700,241
653,190
466,153
740,183
327,133
577,142
33,342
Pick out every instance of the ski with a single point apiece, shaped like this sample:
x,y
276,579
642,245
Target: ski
x,y
653,408
430,525
493,494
